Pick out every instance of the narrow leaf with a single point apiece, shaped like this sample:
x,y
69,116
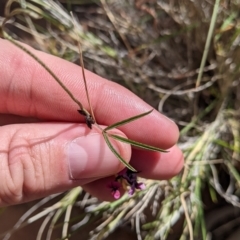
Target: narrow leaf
x,y
117,154
128,120
137,144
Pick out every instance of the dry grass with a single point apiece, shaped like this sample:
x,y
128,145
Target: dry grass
x,y
155,48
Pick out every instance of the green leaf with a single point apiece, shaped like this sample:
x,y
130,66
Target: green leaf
x,y
137,144
128,120
117,154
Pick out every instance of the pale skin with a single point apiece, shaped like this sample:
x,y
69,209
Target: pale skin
x,y
38,120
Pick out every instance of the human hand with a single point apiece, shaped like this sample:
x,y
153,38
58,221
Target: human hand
x,y
45,146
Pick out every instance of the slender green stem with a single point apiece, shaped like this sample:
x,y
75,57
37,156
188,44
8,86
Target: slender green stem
x,y
208,41
83,72
6,36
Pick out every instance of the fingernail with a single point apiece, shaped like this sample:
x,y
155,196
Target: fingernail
x,y
89,157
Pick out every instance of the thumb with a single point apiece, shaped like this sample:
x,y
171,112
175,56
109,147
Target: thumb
x,y
44,158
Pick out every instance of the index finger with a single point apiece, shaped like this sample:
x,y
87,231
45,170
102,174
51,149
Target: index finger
x,y
29,90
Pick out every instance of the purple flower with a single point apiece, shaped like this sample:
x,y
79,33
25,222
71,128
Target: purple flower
x,y
139,186
115,189
131,178
125,179
128,175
